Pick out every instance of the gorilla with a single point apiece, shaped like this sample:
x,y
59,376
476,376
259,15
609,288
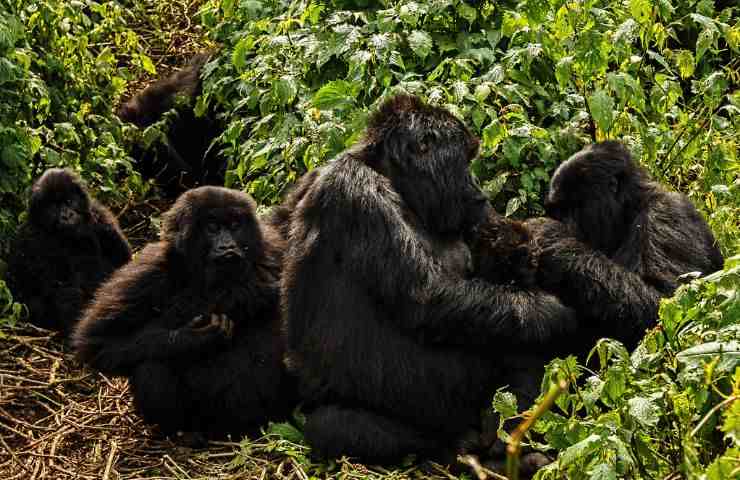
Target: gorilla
x,y
69,245
395,350
616,242
185,157
193,320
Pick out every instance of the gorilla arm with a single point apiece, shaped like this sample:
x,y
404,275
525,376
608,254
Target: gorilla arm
x,y
592,283
113,244
385,254
125,327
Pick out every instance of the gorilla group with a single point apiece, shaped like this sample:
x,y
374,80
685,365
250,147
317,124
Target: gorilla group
x,y
395,350
68,246
397,298
193,320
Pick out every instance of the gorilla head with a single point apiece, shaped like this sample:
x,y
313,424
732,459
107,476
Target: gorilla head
x,y
215,230
598,192
59,202
426,152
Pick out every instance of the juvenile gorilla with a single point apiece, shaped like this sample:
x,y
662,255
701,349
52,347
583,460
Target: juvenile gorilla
x,y
395,351
617,245
68,246
184,158
193,320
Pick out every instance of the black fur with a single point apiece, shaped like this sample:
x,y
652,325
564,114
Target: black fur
x,y
160,320
68,246
185,158
617,245
394,349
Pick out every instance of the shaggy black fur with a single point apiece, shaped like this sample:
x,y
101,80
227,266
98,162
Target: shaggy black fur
x,y
68,246
395,350
618,244
184,158
193,320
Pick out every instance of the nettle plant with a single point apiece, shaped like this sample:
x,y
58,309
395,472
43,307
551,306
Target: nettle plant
x,y
535,79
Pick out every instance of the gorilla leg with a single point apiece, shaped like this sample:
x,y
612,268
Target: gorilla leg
x,y
333,431
159,398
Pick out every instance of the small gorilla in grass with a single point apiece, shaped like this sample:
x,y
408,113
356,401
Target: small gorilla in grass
x,y
616,243
184,158
68,246
395,350
193,320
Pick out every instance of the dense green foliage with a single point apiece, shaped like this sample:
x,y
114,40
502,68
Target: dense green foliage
x,y
535,79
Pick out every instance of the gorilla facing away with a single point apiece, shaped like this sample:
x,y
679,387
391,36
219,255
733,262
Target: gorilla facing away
x,y
68,246
617,244
193,320
395,351
185,158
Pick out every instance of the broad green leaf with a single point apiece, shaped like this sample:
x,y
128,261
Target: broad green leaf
x,y
286,431
421,43
644,411
579,451
603,471
601,106
505,403
685,63
333,95
285,90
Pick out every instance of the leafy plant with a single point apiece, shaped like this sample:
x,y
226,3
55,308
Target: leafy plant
x,y
535,80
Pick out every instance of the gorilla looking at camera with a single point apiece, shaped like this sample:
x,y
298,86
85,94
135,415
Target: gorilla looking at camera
x,y
394,349
69,245
616,244
193,320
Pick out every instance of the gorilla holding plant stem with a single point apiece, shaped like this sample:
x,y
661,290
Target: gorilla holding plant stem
x,y
69,245
193,320
616,243
395,351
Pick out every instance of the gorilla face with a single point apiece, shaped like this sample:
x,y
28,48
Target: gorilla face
x,y
426,153
215,231
59,202
594,192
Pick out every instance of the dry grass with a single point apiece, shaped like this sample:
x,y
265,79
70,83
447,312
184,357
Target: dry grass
x,y
59,420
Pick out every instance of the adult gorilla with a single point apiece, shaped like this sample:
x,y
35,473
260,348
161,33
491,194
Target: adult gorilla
x,y
396,352
619,246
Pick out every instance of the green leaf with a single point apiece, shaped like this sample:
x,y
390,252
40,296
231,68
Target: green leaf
x,y
421,43
505,403
578,452
285,90
467,12
685,63
602,109
644,411
603,471
286,431
333,94
481,92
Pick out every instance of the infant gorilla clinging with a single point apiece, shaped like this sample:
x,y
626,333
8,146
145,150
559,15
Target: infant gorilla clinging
x,y
193,320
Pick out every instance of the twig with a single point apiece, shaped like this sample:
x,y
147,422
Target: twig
x,y
480,471
513,449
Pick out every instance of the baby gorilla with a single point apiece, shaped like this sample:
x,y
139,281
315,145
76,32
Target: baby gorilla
x,y
68,246
193,320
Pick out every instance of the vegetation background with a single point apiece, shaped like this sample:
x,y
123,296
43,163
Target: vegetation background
x,y
293,81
